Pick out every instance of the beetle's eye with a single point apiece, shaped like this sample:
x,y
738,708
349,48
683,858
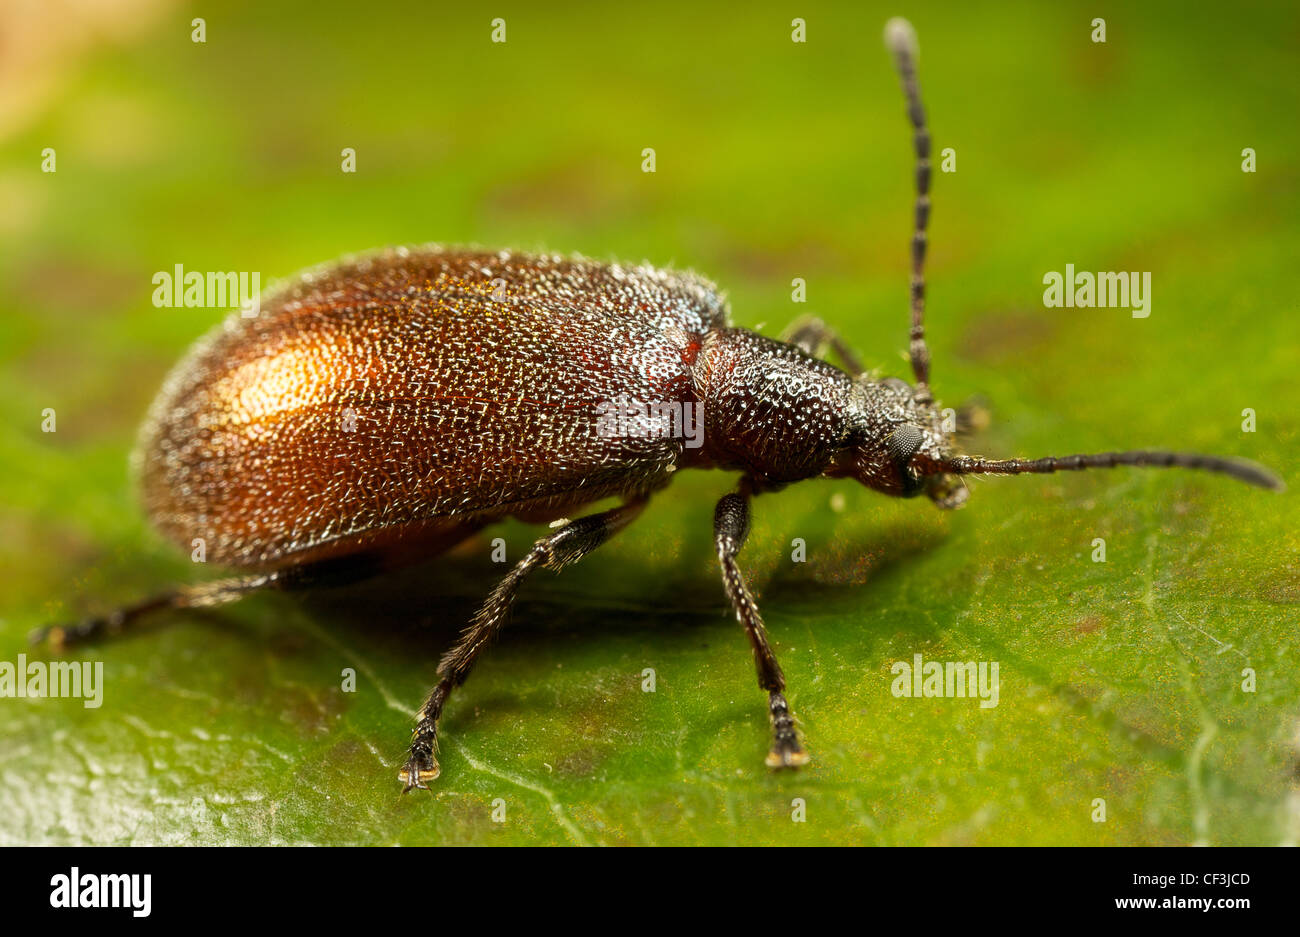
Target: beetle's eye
x,y
896,383
902,443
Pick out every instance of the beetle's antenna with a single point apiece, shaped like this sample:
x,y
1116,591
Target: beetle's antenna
x,y
1239,469
900,38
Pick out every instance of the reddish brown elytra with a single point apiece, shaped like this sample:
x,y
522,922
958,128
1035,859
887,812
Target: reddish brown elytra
x,y
382,409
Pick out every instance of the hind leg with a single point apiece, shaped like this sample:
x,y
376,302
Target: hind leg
x,y
202,595
333,571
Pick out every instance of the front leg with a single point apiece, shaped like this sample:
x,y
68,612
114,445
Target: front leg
x,y
730,528
567,545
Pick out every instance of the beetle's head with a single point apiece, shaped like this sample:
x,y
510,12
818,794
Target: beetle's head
x,y
899,441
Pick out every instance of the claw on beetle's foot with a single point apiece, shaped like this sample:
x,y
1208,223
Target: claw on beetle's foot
x,y
416,774
787,757
53,635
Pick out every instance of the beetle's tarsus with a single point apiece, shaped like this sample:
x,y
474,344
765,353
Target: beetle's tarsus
x,y
59,637
786,751
423,766
47,634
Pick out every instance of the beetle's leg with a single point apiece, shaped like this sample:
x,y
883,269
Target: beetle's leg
x,y
200,595
814,336
334,571
730,528
567,545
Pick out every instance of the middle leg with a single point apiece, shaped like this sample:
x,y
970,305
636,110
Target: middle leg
x,y
567,545
815,336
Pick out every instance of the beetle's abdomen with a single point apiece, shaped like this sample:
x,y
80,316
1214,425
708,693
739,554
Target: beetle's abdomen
x,y
412,392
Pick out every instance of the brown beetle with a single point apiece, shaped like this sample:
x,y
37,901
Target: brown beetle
x,y
382,409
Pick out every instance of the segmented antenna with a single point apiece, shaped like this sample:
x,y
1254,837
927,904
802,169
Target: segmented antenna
x,y
900,39
1239,469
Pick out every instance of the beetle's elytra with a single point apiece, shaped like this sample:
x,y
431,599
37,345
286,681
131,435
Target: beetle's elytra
x,y
394,398
379,410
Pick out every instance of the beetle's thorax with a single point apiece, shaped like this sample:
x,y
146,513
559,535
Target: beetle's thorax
x,y
769,409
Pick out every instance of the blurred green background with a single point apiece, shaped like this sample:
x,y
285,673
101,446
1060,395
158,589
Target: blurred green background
x,y
1120,681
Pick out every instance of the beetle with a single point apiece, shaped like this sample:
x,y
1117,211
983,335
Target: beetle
x,y
384,408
